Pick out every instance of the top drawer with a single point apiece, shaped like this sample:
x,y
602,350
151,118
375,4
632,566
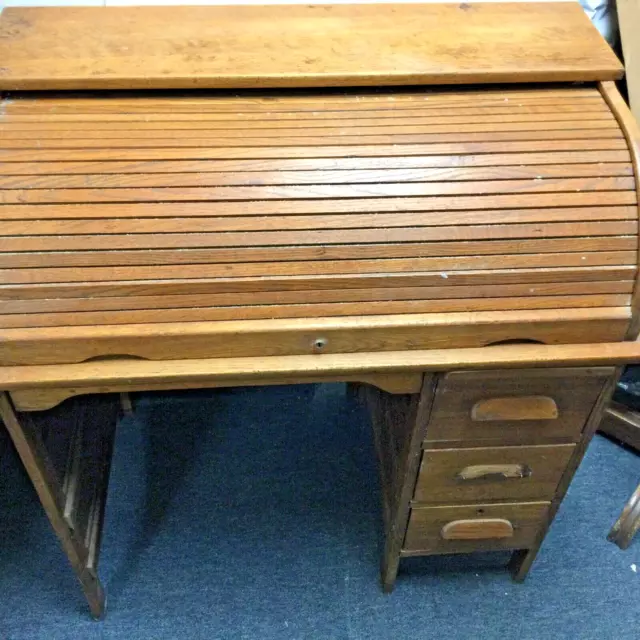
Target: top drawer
x,y
514,406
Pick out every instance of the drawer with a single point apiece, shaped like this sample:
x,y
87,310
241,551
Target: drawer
x,y
514,406
474,528
450,476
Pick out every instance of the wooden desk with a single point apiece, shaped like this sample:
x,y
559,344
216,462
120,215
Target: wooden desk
x,y
467,257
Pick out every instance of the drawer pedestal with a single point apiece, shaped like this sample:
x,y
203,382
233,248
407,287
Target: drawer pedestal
x,y
480,461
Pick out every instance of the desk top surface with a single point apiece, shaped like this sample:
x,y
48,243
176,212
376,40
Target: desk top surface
x,y
299,46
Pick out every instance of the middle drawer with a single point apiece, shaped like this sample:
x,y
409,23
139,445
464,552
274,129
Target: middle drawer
x,y
459,476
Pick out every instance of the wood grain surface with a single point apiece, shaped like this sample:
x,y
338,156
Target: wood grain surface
x,y
113,375
299,46
573,392
307,335
204,209
425,530
439,480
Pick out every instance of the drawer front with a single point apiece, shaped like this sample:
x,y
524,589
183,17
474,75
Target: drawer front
x,y
473,528
449,476
513,406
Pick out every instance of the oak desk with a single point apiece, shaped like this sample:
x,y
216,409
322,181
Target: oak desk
x,y
468,255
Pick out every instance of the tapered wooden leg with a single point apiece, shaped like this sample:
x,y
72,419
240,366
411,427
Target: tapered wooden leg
x,y
390,564
520,563
628,523
93,592
72,496
399,422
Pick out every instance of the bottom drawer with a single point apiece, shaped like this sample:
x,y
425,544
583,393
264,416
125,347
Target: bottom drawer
x,y
474,527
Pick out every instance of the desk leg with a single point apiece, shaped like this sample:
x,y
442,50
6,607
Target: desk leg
x,y
71,484
399,423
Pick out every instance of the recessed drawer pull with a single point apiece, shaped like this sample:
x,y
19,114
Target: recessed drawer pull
x,y
516,408
477,529
493,472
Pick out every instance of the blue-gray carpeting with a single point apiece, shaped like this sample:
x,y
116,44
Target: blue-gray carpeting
x,y
254,513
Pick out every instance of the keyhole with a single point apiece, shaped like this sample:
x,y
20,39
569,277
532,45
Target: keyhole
x,y
319,344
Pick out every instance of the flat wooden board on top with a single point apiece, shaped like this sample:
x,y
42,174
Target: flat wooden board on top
x,y
182,47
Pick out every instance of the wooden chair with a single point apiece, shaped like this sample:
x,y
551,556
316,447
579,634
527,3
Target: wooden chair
x,y
628,523
623,424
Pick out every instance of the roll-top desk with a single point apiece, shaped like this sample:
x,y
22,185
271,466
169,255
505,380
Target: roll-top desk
x,y
210,196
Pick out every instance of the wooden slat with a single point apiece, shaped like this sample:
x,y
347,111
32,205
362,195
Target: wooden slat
x,y
345,99
343,95
552,144
390,190
489,161
377,94
317,140
117,303
285,223
317,310
326,267
314,237
315,282
458,210
365,124
153,124
107,257
315,105
256,178
379,134
311,105
292,117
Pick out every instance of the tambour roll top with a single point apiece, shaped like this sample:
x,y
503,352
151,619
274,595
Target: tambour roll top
x,y
164,225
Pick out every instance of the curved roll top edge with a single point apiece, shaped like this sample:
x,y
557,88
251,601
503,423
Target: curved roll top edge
x,y
631,132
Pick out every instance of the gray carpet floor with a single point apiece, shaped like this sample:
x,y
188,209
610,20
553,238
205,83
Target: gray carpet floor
x,y
254,513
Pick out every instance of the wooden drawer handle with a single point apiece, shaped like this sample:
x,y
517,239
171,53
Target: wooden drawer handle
x,y
493,472
517,408
477,529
